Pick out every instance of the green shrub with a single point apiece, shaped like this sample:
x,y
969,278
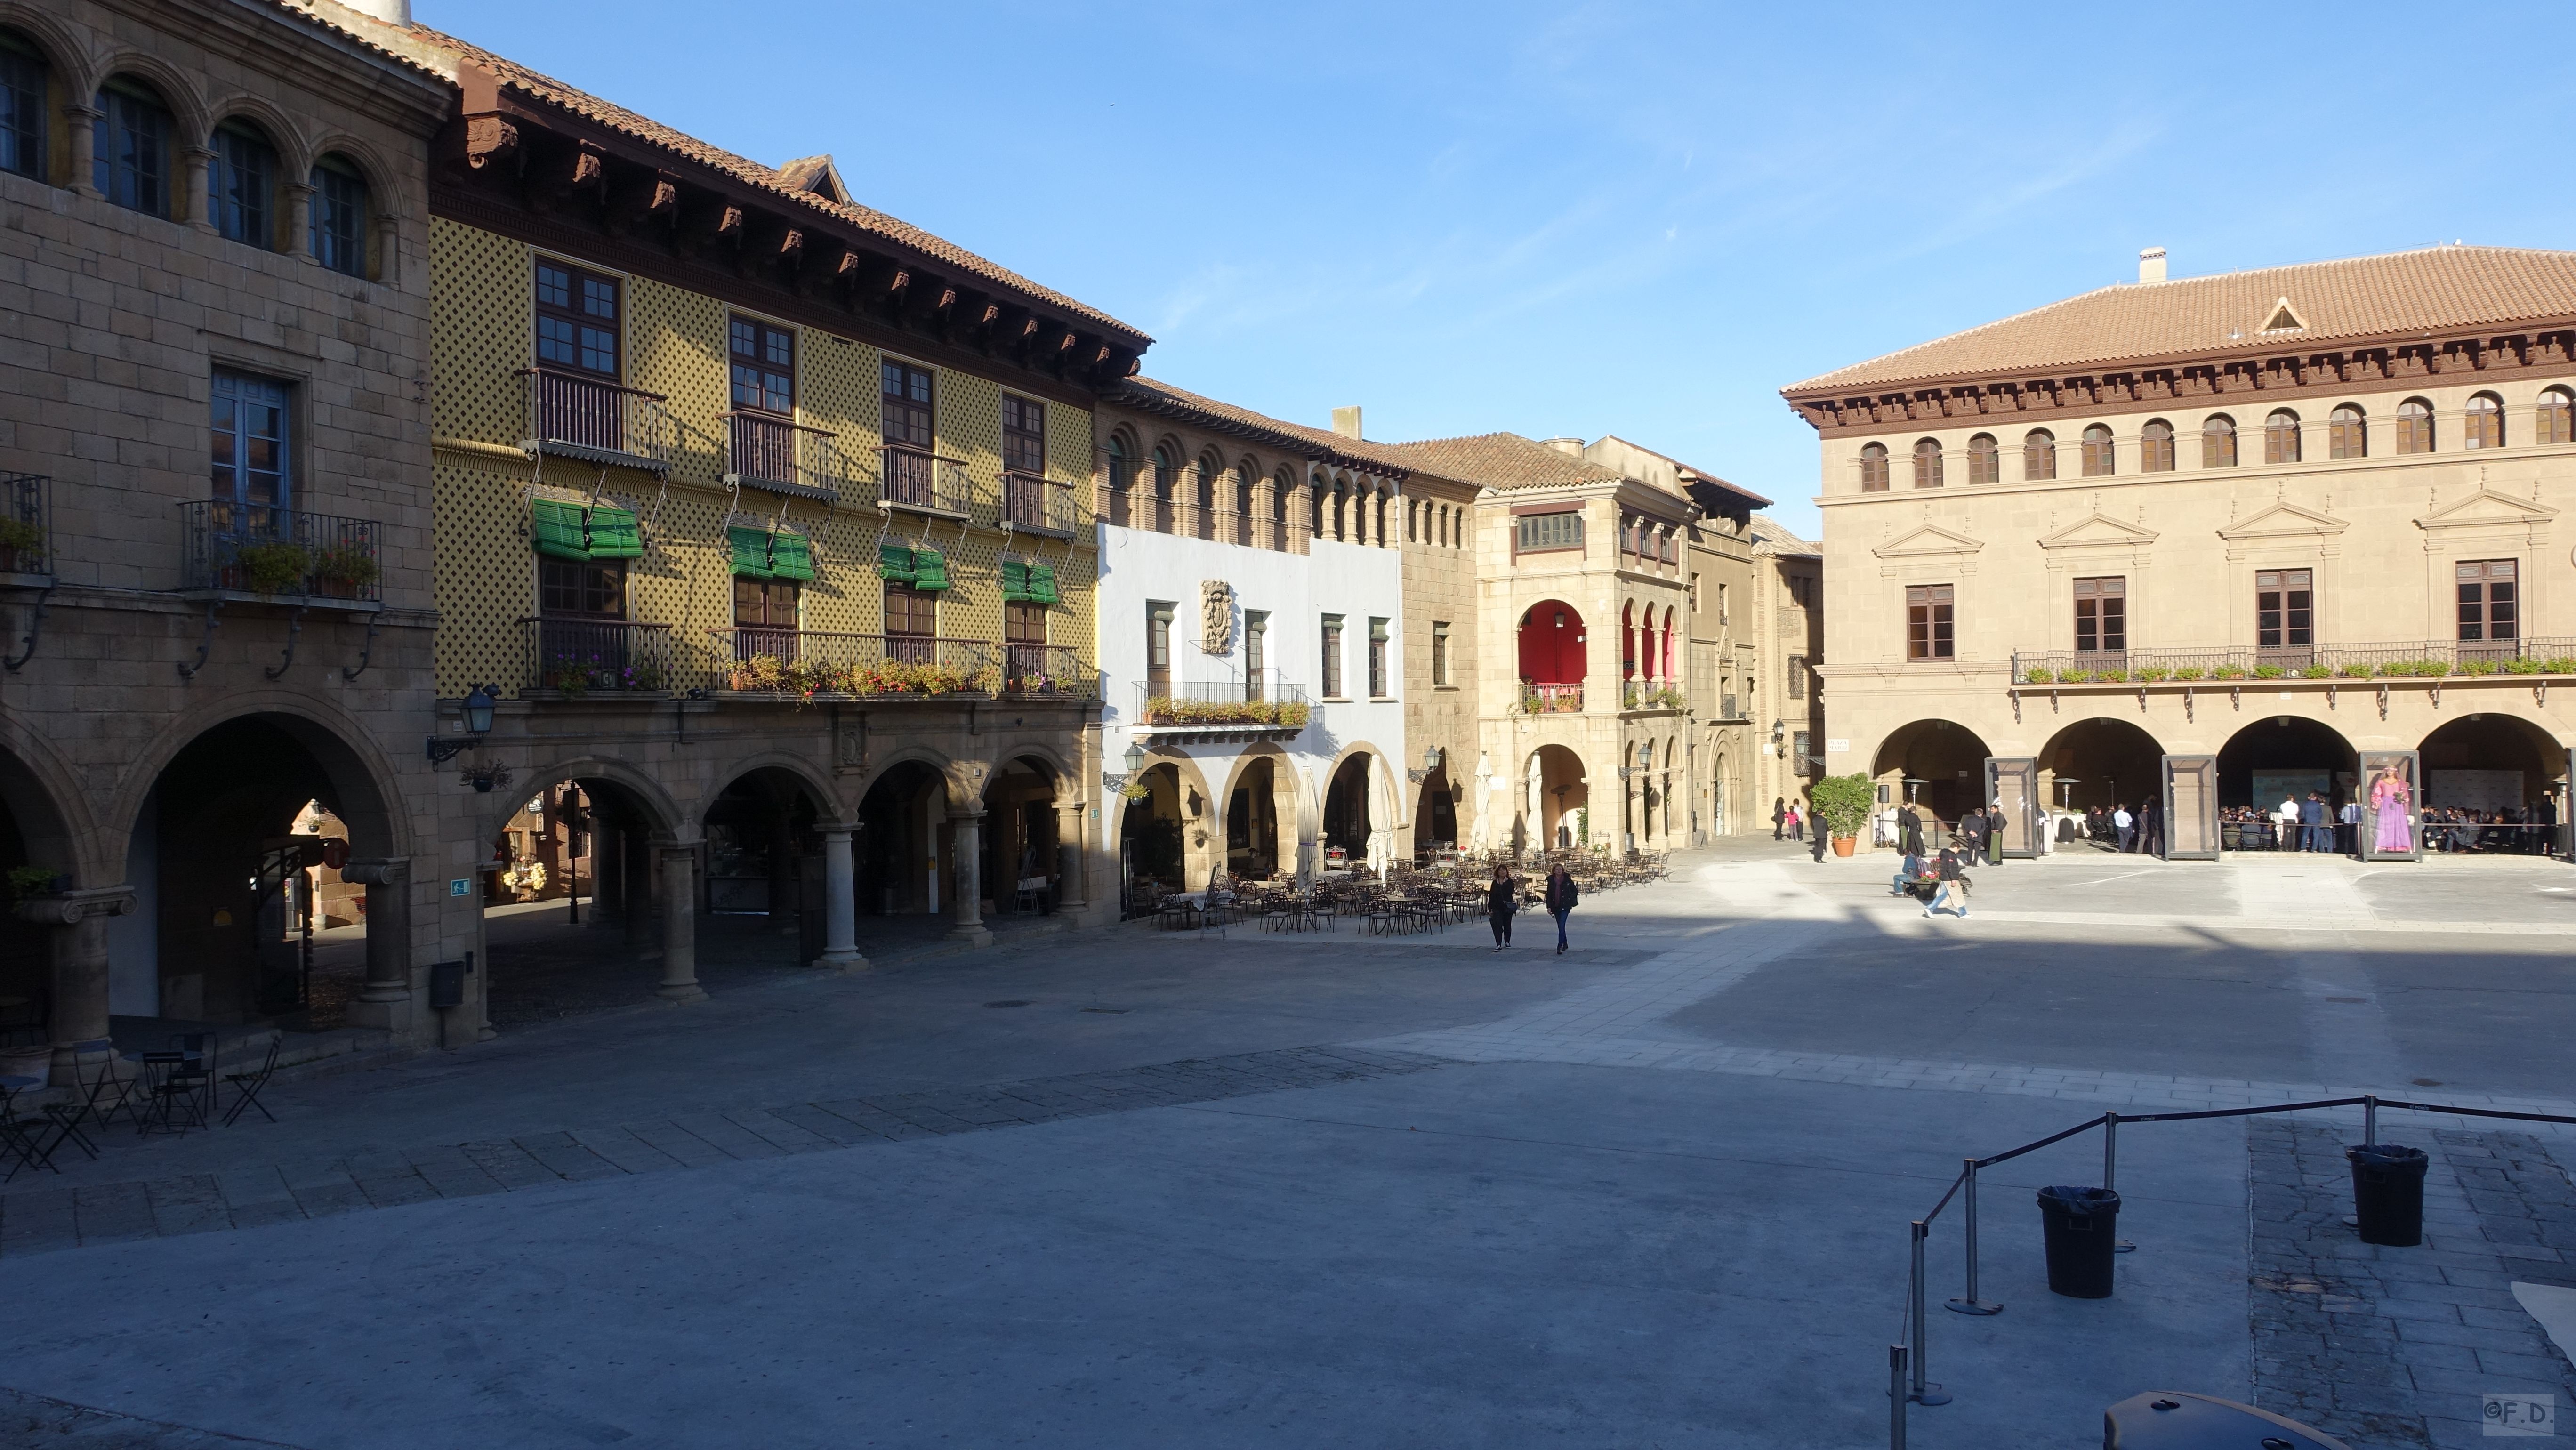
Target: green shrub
x,y
2269,672
1844,801
2187,672
273,568
2317,672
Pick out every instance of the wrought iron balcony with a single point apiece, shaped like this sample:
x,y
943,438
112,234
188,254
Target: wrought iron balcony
x,y
791,663
1046,672
572,416
765,451
574,656
2411,659
1262,701
1551,699
274,553
1650,695
1038,505
26,524
916,478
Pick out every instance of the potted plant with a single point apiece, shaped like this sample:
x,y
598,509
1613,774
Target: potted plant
x,y
1843,802
28,882
22,545
344,571
273,568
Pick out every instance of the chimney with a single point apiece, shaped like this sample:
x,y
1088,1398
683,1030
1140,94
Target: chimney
x,y
392,12
1565,445
2151,265
1346,421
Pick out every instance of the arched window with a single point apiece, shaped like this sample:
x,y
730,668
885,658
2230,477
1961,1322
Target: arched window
x,y
22,107
2218,441
1243,476
2098,456
1122,469
131,160
2483,425
2555,419
1627,641
1927,463
2347,435
340,216
1873,468
2414,426
2281,437
1985,459
1668,649
2156,447
2039,454
241,186
1162,472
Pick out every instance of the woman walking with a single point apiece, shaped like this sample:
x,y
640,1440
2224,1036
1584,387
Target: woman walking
x,y
1561,897
1797,825
1779,816
1499,905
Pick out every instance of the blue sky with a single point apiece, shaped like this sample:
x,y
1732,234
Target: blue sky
x,y
1593,218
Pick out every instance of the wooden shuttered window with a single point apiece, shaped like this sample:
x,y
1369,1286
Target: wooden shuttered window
x,y
2039,454
2347,433
1929,622
2101,614
1985,460
2284,609
2414,426
2218,441
2156,447
2487,599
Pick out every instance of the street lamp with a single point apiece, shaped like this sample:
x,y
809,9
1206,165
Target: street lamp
x,y
478,723
1135,758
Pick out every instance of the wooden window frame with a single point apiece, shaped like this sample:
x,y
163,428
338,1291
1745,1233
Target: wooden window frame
x,y
2285,609
241,185
2218,441
572,589
121,103
767,594
2156,446
1159,614
2102,614
2489,600
2553,418
2415,426
2101,452
2283,437
342,211
1985,459
26,80
2347,432
1019,617
1927,463
1377,674
893,404
1931,623
1873,468
574,315
1331,645
1547,531
1023,443
762,366
2482,422
2038,455
908,604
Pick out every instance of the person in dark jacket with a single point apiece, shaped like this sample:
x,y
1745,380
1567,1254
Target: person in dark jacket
x,y
1909,830
1779,816
1952,877
1561,897
1501,900
1994,833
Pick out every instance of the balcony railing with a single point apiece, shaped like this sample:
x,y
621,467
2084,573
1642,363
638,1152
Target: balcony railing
x,y
26,524
808,663
574,656
1046,672
916,478
1551,699
1650,695
1263,701
769,452
1035,504
572,416
275,553
2426,658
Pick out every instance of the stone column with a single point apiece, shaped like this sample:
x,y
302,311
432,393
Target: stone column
x,y
635,888
840,904
1072,896
680,925
80,123
299,222
79,946
967,843
384,1000
195,163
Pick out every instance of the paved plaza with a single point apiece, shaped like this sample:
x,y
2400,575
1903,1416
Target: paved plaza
x,y
1131,1188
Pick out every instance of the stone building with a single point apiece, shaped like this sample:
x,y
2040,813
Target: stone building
x,y
767,518
1786,609
215,225
1258,639
1579,566
2210,540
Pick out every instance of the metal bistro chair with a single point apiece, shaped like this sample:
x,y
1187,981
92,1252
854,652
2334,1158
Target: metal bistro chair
x,y
102,1095
22,1136
182,1083
246,1085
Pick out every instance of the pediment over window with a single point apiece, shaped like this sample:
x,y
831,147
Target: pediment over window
x,y
2487,508
1927,541
2284,521
2096,530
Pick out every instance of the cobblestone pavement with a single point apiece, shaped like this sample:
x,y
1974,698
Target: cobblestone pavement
x,y
2398,1346
41,1220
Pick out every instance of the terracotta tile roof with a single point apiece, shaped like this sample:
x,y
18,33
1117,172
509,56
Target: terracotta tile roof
x,y
1155,396
876,223
1775,539
1502,461
2430,290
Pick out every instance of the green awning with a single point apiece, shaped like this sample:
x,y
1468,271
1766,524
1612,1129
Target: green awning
x,y
929,569
791,556
559,530
613,534
894,561
1042,588
750,553
1015,583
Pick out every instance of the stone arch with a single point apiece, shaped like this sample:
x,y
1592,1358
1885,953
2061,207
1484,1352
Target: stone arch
x,y
1266,826
818,784
1554,786
668,821
345,749
2101,761
921,755
2492,742
1160,835
70,61
2285,753
41,792
192,122
387,187
285,134
1937,764
1066,773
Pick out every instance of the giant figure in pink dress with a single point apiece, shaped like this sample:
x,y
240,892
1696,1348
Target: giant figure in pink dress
x,y
2392,805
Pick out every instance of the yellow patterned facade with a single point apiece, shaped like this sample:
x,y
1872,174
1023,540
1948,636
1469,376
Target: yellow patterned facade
x,y
676,347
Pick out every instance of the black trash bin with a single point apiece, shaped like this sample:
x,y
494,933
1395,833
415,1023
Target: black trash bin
x,y
2388,1193
2176,1420
2081,1227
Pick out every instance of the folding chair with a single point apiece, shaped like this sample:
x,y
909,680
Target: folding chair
x,y
22,1136
102,1092
247,1084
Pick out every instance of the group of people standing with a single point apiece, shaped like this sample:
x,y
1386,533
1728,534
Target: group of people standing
x,y
2118,827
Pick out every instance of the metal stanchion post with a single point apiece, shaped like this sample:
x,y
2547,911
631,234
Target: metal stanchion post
x,y
1896,1397
1970,1303
2110,1167
2369,1119
1923,1394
